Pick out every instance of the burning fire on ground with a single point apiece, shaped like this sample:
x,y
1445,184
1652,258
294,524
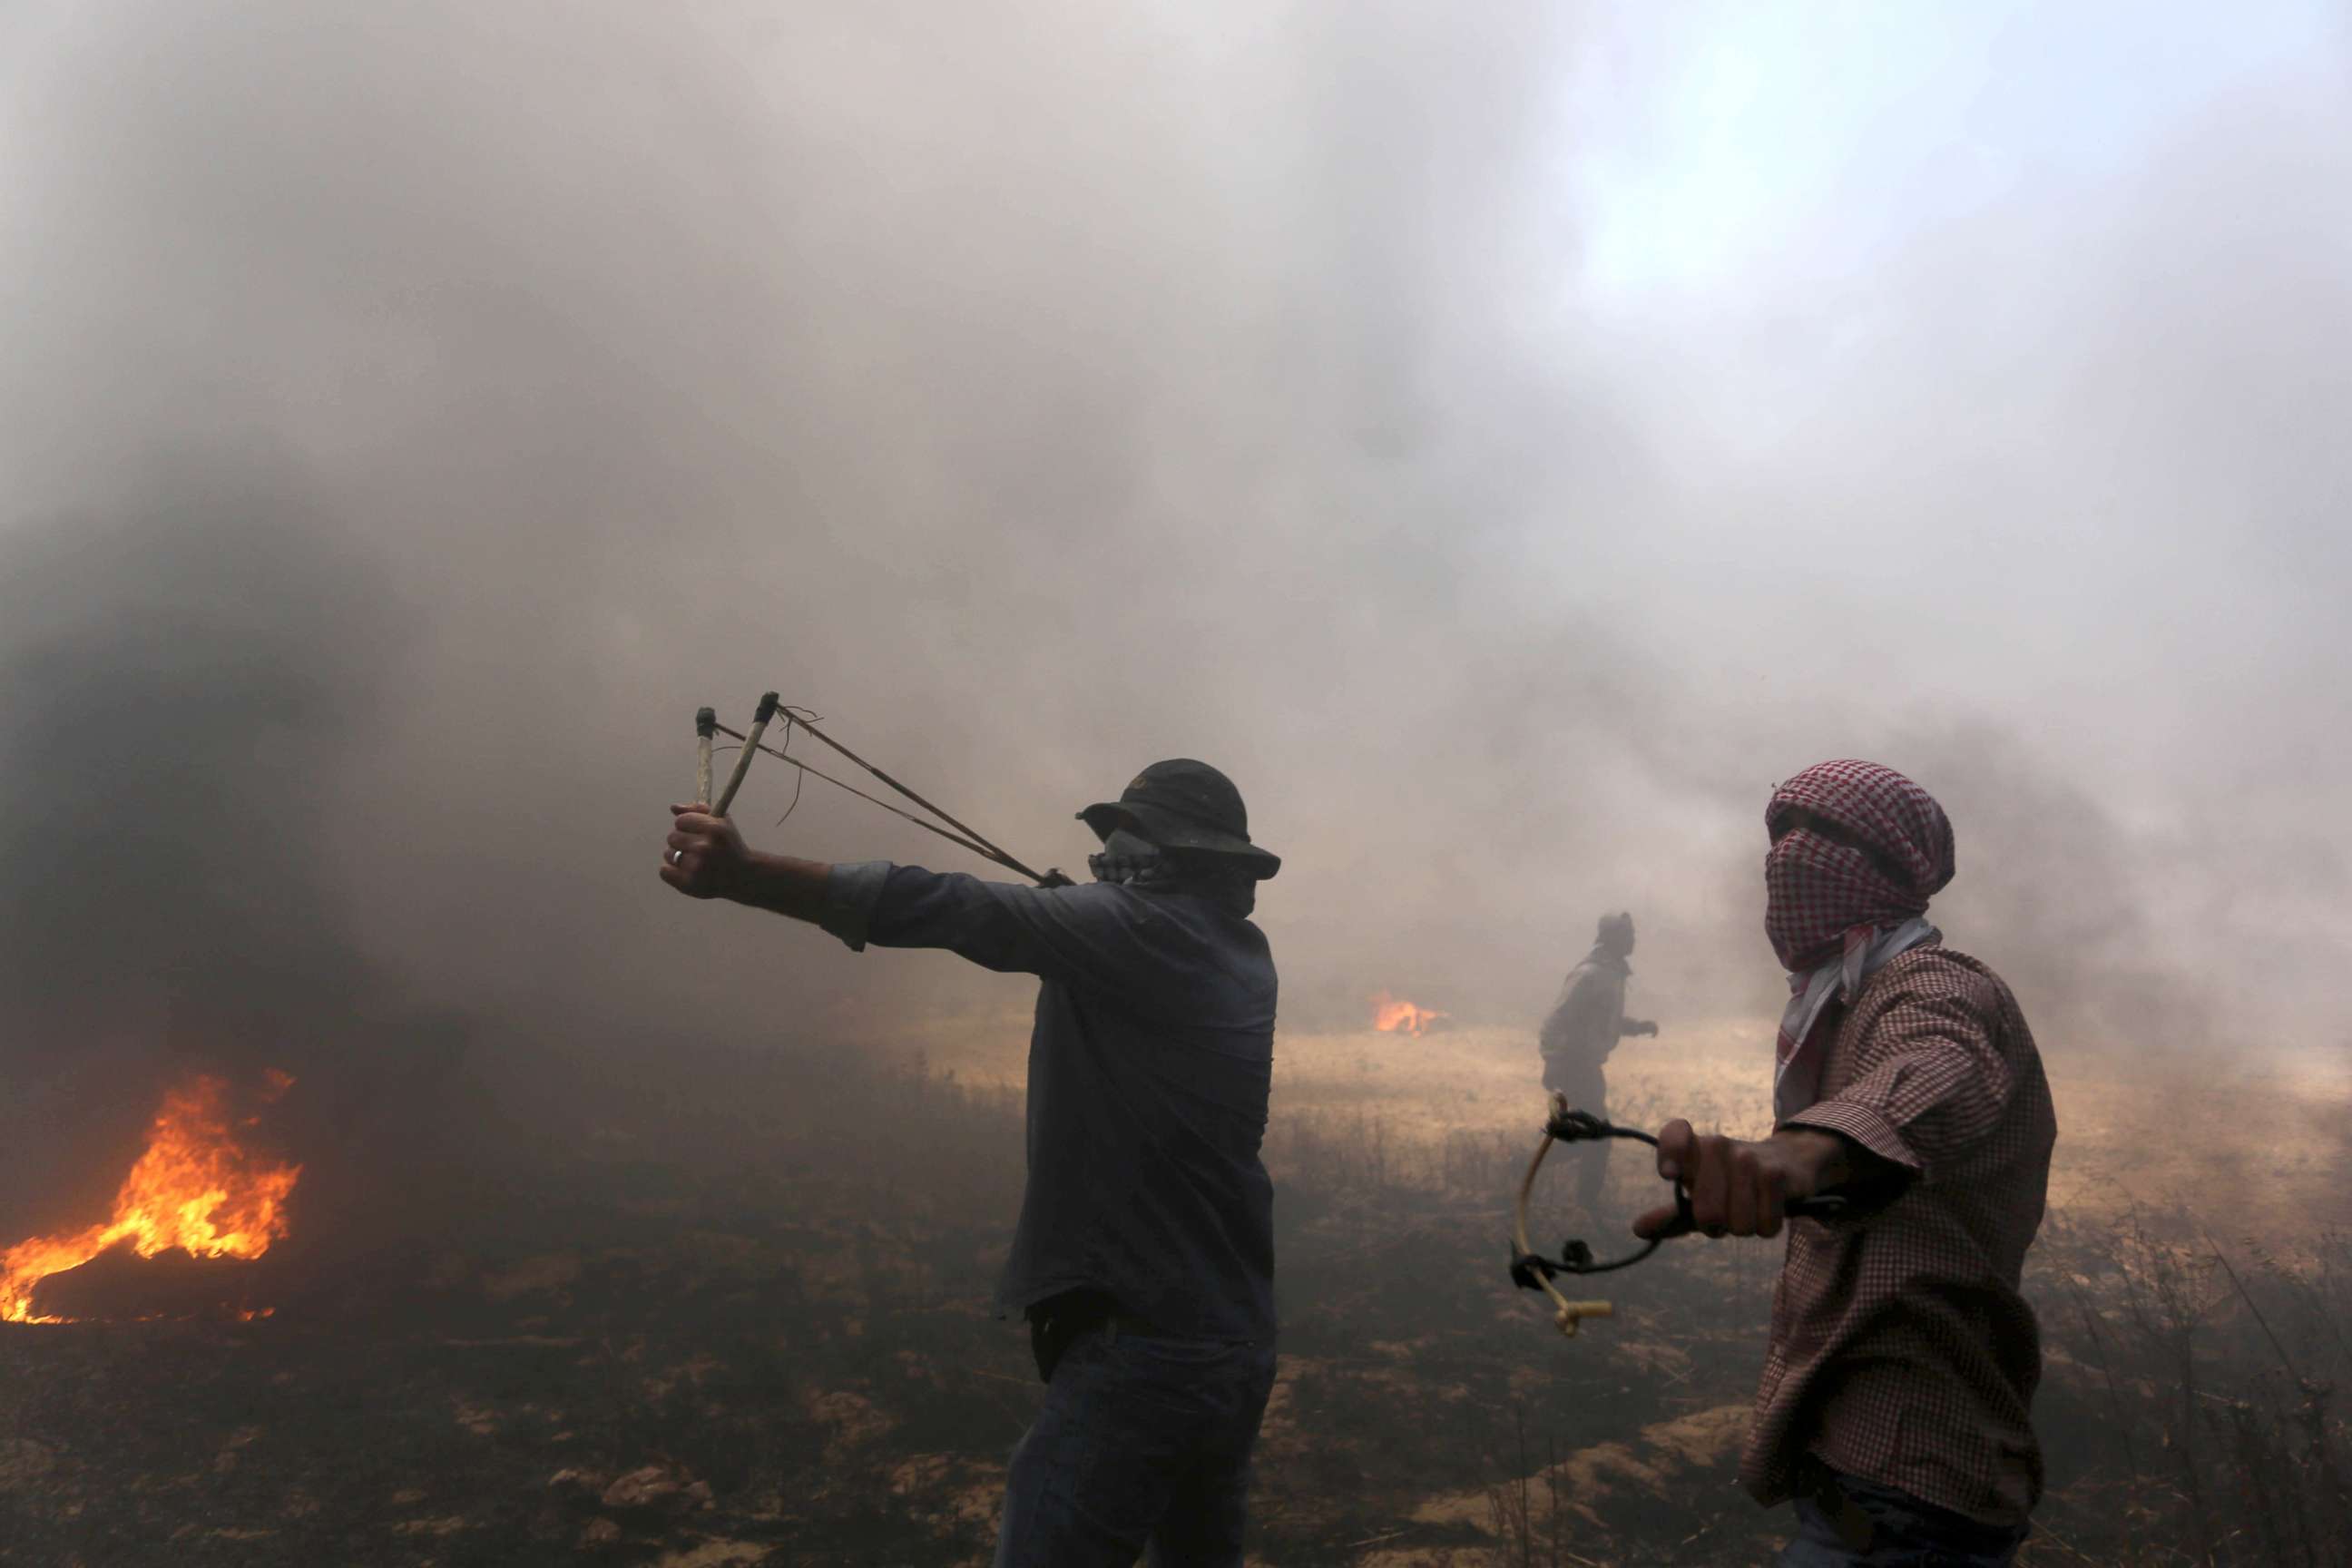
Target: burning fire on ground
x,y
1393,1015
197,1188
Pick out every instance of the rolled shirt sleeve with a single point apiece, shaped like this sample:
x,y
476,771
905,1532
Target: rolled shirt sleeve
x,y
1931,1083
851,891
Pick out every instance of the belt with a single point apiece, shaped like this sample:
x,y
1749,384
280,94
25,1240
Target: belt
x,y
1059,1321
1853,1524
1079,1311
1118,1323
1856,1527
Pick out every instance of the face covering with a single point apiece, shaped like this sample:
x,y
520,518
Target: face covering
x,y
1816,889
1854,846
1131,861
1857,850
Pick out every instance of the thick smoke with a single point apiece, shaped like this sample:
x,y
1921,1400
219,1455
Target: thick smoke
x,y
180,674
1507,441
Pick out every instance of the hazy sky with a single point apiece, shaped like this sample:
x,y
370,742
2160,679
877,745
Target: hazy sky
x,y
1506,437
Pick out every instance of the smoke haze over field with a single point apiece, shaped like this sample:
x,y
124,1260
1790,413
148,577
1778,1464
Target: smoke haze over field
x,y
1506,437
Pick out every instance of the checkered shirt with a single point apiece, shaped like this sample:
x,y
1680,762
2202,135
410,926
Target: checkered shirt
x,y
1901,1350
1821,881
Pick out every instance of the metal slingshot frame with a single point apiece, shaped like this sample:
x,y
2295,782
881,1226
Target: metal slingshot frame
x,y
1531,1270
707,727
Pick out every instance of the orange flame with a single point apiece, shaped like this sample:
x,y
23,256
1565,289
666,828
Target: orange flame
x,y
1391,1014
195,1188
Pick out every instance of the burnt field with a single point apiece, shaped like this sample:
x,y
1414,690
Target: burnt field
x,y
738,1314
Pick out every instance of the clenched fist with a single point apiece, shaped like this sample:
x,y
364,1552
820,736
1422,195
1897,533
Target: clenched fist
x,y
704,856
1737,1187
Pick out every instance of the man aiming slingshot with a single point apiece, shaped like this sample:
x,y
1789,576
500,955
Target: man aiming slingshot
x,y
1143,1259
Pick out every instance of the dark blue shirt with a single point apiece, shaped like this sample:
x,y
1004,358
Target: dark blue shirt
x,y
1148,1071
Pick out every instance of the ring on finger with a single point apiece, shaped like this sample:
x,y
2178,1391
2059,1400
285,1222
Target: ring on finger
x,y
678,857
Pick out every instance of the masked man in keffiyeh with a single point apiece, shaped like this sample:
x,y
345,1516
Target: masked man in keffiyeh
x,y
1893,1404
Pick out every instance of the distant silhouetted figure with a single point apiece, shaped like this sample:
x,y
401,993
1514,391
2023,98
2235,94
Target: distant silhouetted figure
x,y
1583,1026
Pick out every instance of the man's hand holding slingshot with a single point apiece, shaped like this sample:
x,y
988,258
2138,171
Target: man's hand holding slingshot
x,y
1722,1186
1736,1186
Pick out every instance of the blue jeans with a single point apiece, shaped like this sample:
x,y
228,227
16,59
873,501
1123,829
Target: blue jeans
x,y
1879,1527
1142,1441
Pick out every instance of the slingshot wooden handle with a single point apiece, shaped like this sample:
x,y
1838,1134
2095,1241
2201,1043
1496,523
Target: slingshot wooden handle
x,y
1571,1313
706,725
767,711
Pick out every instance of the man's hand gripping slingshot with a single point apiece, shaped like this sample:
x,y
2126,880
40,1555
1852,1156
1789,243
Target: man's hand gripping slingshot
x,y
1531,1270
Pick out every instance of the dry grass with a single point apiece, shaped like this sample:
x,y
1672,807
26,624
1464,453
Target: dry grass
x,y
2190,1286
773,1281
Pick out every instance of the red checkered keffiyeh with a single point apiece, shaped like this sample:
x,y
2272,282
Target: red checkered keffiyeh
x,y
1857,850
1875,849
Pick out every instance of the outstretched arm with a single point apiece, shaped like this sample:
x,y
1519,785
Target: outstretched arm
x,y
1093,936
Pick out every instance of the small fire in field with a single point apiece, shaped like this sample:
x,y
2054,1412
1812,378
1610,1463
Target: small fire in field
x,y
195,1188
1393,1015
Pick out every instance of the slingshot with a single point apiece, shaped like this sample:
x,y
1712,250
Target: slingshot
x,y
1531,1270
706,725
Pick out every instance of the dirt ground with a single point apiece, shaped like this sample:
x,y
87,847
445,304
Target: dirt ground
x,y
749,1324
